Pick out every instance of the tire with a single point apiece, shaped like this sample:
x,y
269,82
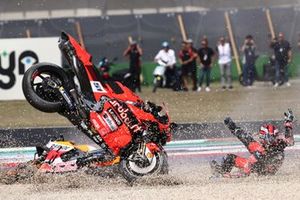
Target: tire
x,y
157,83
38,102
158,166
155,86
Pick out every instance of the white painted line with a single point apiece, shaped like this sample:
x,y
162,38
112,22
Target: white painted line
x,y
227,139
171,9
187,141
207,148
213,152
204,148
17,149
145,11
206,152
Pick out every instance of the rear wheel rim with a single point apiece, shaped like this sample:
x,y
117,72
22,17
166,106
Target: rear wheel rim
x,y
40,87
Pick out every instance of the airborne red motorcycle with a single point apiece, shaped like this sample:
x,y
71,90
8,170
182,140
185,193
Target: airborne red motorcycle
x,y
129,131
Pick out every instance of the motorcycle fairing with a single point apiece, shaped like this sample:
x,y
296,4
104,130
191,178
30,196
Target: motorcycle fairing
x,y
111,88
116,137
56,149
115,115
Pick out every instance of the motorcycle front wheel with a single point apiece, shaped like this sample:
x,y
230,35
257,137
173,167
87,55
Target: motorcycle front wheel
x,y
132,170
157,83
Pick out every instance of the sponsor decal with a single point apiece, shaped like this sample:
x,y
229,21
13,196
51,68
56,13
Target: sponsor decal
x,y
127,116
17,55
97,139
97,87
103,130
25,60
96,124
110,122
114,116
60,147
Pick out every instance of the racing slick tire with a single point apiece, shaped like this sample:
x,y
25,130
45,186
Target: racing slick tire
x,y
36,94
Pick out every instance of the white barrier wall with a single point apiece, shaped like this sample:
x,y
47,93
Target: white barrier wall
x,y
17,55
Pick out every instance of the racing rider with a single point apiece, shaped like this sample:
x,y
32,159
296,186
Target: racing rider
x,y
266,153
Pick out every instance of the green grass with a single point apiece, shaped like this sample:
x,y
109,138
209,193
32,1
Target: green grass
x,y
259,103
262,102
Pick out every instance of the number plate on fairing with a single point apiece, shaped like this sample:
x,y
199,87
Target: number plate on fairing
x,y
97,87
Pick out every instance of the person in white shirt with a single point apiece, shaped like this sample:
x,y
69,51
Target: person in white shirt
x,y
224,55
166,57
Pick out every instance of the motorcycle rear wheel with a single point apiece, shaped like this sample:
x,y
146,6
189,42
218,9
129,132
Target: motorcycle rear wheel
x,y
36,94
131,171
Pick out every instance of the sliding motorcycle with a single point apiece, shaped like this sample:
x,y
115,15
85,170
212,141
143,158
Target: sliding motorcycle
x,y
130,132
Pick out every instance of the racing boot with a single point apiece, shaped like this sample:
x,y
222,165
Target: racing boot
x,y
237,131
223,169
216,169
230,124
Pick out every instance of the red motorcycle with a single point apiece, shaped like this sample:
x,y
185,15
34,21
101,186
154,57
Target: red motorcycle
x,y
130,132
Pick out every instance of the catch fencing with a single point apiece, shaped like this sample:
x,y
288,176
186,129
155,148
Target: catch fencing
x,y
108,35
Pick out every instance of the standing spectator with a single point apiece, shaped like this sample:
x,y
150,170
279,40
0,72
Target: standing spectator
x,y
248,49
193,69
186,58
134,52
166,56
206,55
283,56
224,54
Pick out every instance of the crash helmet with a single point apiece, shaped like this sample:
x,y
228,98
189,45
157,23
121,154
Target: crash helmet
x,y
103,62
165,44
268,134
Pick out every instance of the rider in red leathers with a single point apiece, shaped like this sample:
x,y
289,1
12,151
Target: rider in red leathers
x,y
266,153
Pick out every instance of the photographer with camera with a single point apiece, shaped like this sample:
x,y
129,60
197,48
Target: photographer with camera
x,y
249,58
134,53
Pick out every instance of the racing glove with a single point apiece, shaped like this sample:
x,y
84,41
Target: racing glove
x,y
288,118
